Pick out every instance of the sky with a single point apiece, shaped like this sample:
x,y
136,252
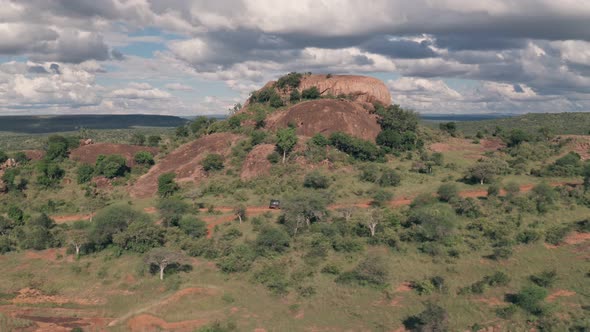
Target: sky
x,y
202,57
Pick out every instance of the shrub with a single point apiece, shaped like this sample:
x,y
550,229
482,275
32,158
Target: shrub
x,y
272,239
166,185
112,220
192,226
435,222
448,191
291,80
212,162
85,173
239,260
423,199
556,234
503,252
381,197
276,101
140,237
528,236
316,180
530,298
493,190
389,177
369,173
331,268
3,157
320,140
357,148
311,93
171,210
274,157
371,271
111,166
294,96
433,318
544,279
154,140
16,214
20,157
144,158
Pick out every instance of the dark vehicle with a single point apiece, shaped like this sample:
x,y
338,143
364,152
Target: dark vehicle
x,y
274,204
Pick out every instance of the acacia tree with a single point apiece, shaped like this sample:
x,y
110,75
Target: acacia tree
x,y
303,209
371,218
162,258
286,141
240,213
77,238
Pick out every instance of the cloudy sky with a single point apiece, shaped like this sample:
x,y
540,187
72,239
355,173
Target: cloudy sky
x,y
202,56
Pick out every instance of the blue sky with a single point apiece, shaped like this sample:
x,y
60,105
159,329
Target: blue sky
x,y
202,57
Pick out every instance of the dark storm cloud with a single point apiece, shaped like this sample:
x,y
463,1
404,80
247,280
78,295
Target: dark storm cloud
x,y
403,49
37,70
478,42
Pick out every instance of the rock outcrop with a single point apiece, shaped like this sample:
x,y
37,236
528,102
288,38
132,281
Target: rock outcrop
x,y
185,162
326,116
256,163
360,88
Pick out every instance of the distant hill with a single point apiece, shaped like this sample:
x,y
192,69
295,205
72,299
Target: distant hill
x,y
559,123
61,123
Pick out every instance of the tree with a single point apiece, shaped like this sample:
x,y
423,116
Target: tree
x,y
192,226
372,218
50,174
311,93
272,239
16,214
433,319
530,298
212,162
240,212
166,185
356,147
316,180
371,271
171,210
294,96
517,136
289,81
397,119
21,158
77,238
112,220
85,173
140,237
57,148
162,258
111,166
276,101
286,141
389,177
182,131
137,139
3,157
449,127
304,208
144,158
36,234
485,170
435,222
448,191
512,188
154,140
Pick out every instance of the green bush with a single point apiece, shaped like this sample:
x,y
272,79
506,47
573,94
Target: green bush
x,y
272,240
369,173
556,234
239,260
356,147
144,158
371,271
544,279
433,319
85,173
311,93
171,210
112,220
316,180
192,226
140,237
166,185
530,298
447,192
389,178
111,166
212,162
291,81
435,222
381,197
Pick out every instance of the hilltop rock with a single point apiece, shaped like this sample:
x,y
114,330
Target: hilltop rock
x,y
360,88
185,162
326,116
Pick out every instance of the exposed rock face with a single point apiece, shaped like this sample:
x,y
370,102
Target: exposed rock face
x,y
185,162
326,116
362,88
89,153
256,163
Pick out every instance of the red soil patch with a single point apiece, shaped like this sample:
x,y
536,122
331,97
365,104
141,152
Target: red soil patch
x,y
579,144
577,238
48,254
404,287
492,301
256,163
327,116
34,154
89,153
71,218
34,296
185,162
146,322
560,293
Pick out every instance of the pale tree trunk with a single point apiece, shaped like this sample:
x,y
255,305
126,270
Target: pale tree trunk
x,y
284,156
240,217
77,250
481,181
162,267
372,228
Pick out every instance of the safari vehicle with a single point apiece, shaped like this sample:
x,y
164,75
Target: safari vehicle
x,y
274,204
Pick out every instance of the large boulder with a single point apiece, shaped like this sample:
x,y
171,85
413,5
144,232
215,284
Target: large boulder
x,y
359,88
326,116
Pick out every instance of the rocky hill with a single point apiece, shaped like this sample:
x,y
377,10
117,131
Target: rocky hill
x,y
359,88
